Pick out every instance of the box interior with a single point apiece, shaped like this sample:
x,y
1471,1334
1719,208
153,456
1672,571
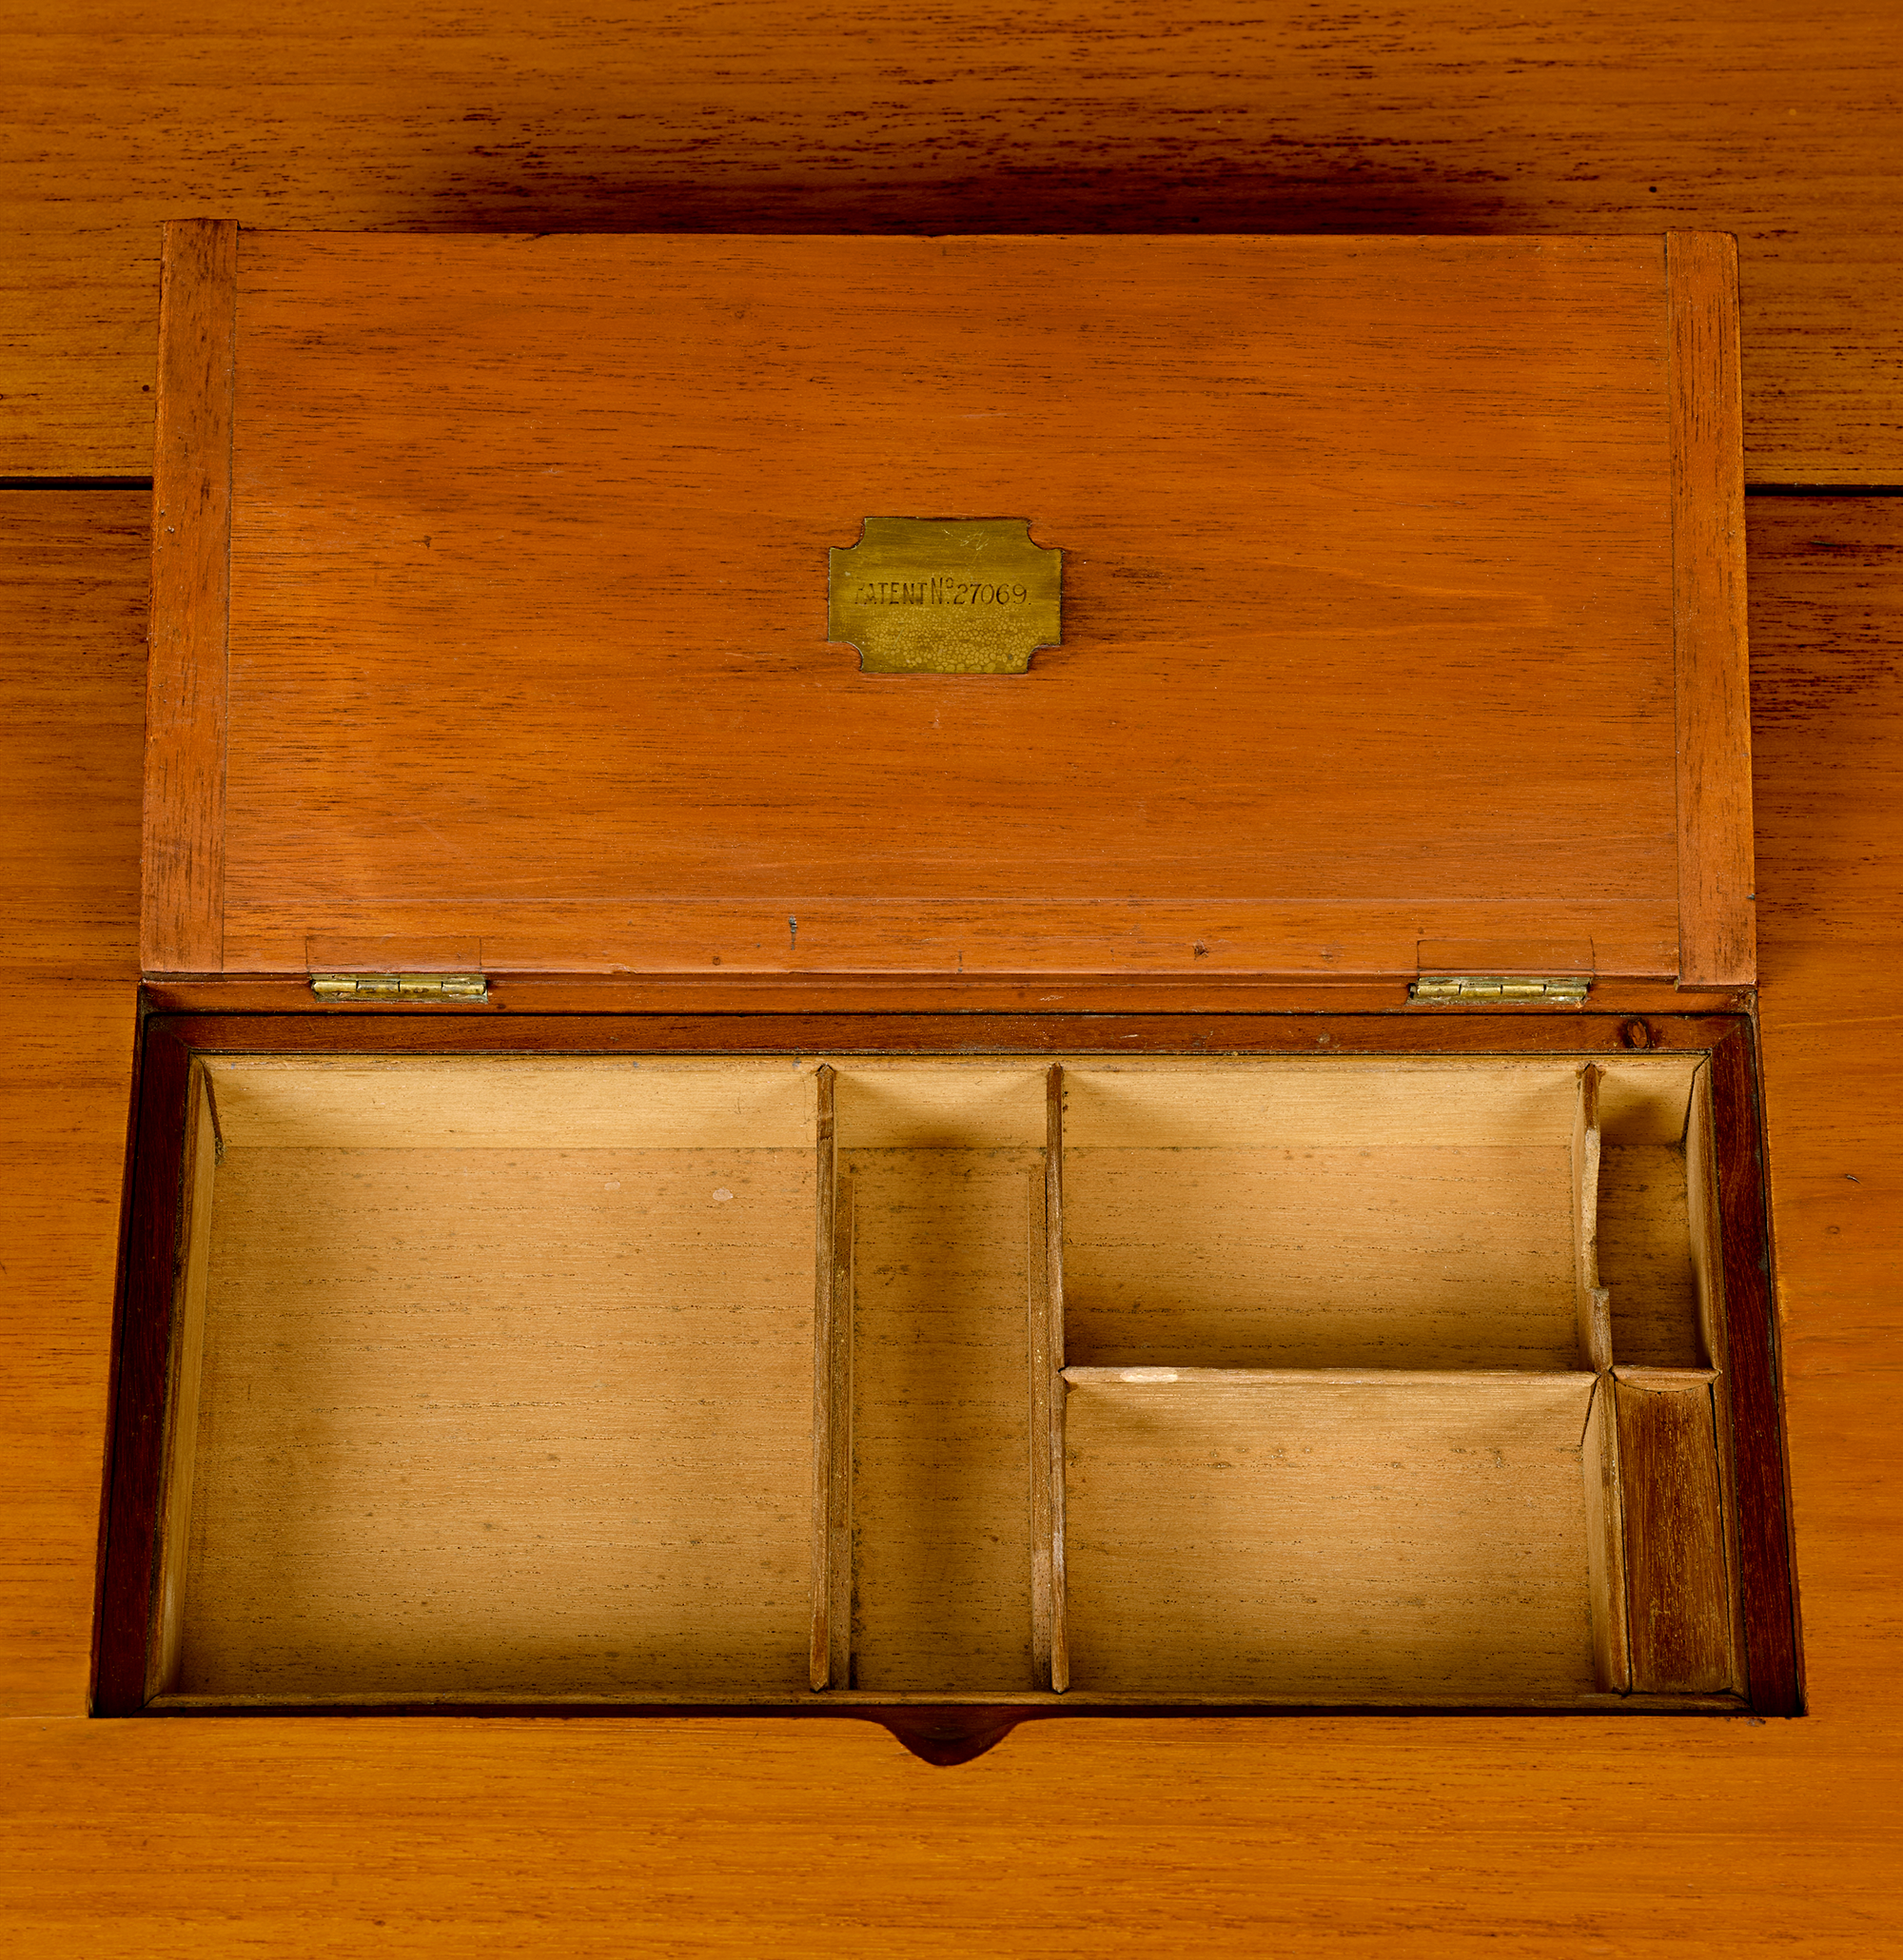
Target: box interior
x,y
505,1377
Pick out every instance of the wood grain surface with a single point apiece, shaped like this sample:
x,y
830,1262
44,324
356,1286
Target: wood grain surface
x,y
187,692
1371,537
1365,1837
1680,1617
1765,118
72,705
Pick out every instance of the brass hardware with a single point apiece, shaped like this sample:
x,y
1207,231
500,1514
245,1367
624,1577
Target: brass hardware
x,y
423,989
931,595
1468,990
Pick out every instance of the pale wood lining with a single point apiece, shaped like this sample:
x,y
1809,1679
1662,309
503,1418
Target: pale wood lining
x,y
185,1369
1340,1104
1644,1098
1399,1254
940,1601
1341,1537
941,1423
504,1421
1308,1212
1646,1257
514,1102
941,1103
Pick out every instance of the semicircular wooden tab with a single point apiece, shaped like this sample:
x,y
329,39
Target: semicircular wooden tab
x,y
949,1736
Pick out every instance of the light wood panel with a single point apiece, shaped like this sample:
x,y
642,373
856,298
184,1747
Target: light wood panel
x,y
1767,120
941,1431
1645,1258
507,1102
496,1419
1416,1256
1348,1540
580,1838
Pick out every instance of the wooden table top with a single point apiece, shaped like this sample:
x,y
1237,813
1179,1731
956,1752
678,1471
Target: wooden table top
x,y
1370,1835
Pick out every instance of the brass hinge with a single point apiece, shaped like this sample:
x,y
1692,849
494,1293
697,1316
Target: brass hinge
x,y
425,989
1464,989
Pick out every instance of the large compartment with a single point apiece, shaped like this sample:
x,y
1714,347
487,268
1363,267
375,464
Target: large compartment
x,y
503,1380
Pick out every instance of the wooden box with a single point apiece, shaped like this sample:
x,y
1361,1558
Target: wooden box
x,y
678,1169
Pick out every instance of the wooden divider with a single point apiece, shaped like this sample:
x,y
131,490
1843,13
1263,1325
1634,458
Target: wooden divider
x,y
1593,1300
832,1655
1605,1542
1049,1632
1701,1211
1680,1606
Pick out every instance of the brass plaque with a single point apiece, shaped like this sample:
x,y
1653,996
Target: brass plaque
x,y
945,595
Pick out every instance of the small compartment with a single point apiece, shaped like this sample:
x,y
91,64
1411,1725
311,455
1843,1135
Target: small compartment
x,y
1654,1214
942,1166
1327,1213
495,1377
1377,1538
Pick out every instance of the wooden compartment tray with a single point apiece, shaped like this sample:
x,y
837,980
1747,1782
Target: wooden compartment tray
x,y
1048,1380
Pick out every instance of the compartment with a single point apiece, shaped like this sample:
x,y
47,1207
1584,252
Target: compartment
x,y
942,1166
1655,1212
1378,1538
1339,1212
494,1376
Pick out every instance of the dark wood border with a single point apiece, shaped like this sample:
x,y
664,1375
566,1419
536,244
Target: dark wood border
x,y
1773,1658
1718,940
140,1371
940,994
811,1033
156,1210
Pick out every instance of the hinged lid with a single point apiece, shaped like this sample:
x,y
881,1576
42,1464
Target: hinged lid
x,y
1401,607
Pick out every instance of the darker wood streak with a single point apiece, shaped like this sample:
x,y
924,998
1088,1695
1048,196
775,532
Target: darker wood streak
x,y
123,1628
182,910
1774,1663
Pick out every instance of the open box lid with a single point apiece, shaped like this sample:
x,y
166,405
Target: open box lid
x,y
1401,619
